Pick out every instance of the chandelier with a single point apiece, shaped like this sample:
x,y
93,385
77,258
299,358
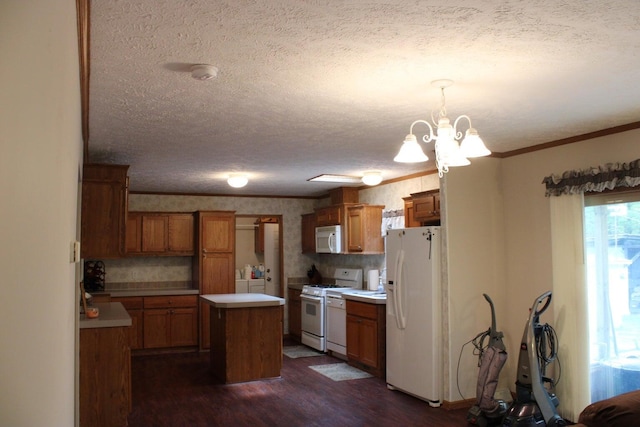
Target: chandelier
x,y
449,152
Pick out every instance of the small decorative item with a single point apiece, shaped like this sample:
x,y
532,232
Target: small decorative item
x,y
92,312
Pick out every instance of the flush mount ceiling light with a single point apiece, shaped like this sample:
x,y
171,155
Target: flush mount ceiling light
x,y
448,152
203,71
372,178
237,180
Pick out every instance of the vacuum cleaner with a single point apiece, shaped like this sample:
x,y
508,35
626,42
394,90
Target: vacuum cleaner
x,y
535,405
487,410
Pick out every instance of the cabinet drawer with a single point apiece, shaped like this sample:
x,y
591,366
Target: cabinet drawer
x,y
362,309
129,303
171,301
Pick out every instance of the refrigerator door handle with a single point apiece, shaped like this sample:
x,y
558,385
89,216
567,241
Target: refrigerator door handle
x,y
401,318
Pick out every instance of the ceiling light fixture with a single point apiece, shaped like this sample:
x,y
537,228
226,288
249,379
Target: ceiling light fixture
x,y
372,178
345,179
204,72
237,180
448,152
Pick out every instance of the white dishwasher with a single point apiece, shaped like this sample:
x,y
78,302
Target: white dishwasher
x,y
336,323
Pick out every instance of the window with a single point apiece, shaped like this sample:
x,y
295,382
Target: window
x,y
612,251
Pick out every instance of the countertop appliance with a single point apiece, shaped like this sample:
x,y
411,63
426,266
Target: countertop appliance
x,y
314,306
414,330
329,239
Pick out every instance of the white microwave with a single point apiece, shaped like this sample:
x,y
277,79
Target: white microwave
x,y
329,239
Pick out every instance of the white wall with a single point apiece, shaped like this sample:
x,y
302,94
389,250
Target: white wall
x,y
40,162
474,247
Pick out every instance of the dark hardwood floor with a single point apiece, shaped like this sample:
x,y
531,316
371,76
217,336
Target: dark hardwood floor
x,y
178,390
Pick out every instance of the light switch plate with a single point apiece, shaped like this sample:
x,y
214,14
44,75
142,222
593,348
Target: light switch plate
x,y
75,251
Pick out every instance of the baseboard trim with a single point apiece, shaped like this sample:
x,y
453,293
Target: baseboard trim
x,y
458,404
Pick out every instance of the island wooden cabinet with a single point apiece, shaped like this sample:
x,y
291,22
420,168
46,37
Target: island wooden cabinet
x,y
214,263
158,234
170,321
295,314
308,232
134,306
364,234
104,211
366,334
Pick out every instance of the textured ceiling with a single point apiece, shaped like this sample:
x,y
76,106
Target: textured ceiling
x,y
312,87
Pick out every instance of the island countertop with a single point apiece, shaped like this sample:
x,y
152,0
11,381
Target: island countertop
x,y
241,300
112,315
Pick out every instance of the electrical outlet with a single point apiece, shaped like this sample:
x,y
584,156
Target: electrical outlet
x,y
75,252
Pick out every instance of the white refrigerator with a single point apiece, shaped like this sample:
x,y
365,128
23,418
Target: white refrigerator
x,y
414,324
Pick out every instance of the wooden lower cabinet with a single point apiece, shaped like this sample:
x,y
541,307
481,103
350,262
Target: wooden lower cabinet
x,y
170,321
105,377
162,321
366,337
134,306
295,314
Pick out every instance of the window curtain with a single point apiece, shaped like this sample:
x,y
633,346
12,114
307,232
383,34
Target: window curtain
x,y
569,284
595,179
570,304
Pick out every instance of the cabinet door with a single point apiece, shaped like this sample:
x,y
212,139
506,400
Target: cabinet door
x,y
134,305
155,234
134,233
368,340
103,219
218,277
353,337
331,215
157,328
217,232
181,233
184,326
308,233
355,237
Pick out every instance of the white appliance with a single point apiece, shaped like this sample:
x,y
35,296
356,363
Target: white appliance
x,y
336,323
252,286
414,329
329,239
314,306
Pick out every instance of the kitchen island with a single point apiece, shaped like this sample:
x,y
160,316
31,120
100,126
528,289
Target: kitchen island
x,y
246,336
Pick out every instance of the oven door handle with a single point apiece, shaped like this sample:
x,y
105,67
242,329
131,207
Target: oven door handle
x,y
311,298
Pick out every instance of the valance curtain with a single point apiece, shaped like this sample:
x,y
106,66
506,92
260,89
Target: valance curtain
x,y
594,179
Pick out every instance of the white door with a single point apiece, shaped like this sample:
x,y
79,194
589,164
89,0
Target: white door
x,y
272,259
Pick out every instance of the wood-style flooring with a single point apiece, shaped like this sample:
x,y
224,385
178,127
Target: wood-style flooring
x,y
178,390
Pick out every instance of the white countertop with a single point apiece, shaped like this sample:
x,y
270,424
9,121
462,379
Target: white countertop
x,y
112,315
369,297
241,300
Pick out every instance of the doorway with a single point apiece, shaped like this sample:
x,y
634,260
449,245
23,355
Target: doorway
x,y
259,244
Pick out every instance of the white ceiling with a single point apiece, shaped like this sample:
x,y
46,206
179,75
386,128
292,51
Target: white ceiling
x,y
331,86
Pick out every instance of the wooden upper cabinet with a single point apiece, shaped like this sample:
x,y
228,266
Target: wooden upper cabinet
x,y
364,229
104,210
308,232
426,207
259,232
154,233
330,215
217,232
181,233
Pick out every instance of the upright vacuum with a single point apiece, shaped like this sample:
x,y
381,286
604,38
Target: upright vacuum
x,y
487,410
535,404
